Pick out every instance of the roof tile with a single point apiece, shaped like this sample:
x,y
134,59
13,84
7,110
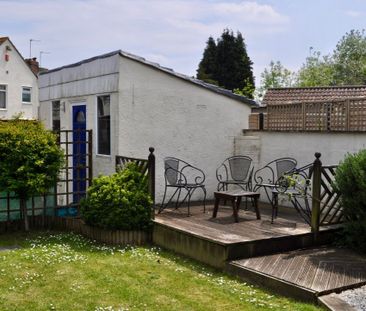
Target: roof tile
x,y
312,94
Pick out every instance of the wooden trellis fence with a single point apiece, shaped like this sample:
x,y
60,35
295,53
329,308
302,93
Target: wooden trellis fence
x,y
335,115
63,199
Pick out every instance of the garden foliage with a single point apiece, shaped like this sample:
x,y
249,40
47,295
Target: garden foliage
x,y
120,201
350,182
30,158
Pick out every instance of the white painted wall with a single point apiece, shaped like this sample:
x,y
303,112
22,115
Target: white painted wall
x,y
178,118
149,108
265,146
303,145
15,73
79,84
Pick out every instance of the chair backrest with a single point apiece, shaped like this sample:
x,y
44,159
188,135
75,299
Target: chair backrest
x,y
178,173
272,171
239,167
171,166
284,165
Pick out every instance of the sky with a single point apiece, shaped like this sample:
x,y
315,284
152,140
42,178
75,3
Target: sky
x,y
174,32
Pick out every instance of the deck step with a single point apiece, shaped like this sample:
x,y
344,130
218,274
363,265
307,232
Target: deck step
x,y
304,274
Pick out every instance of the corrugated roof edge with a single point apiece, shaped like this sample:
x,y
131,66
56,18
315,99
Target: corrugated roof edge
x,y
142,60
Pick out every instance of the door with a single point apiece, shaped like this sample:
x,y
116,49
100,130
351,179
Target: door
x,y
79,151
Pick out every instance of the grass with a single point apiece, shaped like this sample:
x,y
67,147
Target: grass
x,y
61,271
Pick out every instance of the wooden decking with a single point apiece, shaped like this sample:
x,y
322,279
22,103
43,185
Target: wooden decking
x,y
304,274
215,241
281,255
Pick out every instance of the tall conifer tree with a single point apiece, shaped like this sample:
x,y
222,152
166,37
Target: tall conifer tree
x,y
227,64
207,68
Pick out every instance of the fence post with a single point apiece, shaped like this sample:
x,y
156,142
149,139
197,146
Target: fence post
x,y
90,157
151,176
315,211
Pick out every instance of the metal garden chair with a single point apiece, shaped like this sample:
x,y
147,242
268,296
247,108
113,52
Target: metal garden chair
x,y
182,176
268,176
236,170
296,185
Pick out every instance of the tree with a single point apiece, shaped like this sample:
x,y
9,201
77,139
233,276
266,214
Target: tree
x,y
345,66
317,71
227,63
350,59
207,68
276,75
29,160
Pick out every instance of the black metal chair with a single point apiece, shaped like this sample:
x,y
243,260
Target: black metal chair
x,y
182,176
268,177
236,170
295,185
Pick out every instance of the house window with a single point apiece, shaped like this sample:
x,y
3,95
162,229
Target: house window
x,y
2,96
104,125
56,115
26,94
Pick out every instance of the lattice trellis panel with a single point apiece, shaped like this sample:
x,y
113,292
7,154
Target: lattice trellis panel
x,y
357,115
330,210
285,117
334,115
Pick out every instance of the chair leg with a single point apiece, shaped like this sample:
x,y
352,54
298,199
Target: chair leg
x,y
204,199
162,203
189,202
177,202
274,206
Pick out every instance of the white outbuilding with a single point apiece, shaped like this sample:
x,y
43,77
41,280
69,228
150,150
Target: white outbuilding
x,y
132,104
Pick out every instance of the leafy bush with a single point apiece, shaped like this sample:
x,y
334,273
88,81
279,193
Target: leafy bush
x,y
119,201
30,160
350,182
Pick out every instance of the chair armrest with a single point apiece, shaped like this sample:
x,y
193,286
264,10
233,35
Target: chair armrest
x,y
222,173
259,177
196,175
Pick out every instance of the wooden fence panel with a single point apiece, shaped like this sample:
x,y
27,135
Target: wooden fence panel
x,y
146,166
333,115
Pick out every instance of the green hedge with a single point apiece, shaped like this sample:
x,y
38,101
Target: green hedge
x,y
350,182
120,201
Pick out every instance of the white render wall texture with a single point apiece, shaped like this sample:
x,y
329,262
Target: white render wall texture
x,y
178,119
15,74
302,145
148,108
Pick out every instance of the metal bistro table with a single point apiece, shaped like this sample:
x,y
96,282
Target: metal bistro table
x,y
235,197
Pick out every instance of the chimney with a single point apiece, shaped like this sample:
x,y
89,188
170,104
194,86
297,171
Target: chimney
x,y
33,65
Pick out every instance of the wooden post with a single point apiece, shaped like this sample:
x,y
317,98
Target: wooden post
x,y
24,212
151,177
90,157
315,212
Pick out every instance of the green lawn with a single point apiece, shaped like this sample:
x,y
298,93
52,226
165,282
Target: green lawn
x,y
52,271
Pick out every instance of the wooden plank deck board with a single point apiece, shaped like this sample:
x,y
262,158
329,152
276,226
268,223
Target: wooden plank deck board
x,y
223,229
321,269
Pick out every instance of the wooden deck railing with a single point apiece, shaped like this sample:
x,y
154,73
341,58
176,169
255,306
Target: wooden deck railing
x,y
326,209
146,167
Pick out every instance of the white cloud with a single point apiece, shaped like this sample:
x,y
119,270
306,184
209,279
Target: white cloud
x,y
353,13
172,32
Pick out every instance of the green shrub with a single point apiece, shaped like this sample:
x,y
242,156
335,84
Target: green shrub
x,y
119,201
30,160
350,182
